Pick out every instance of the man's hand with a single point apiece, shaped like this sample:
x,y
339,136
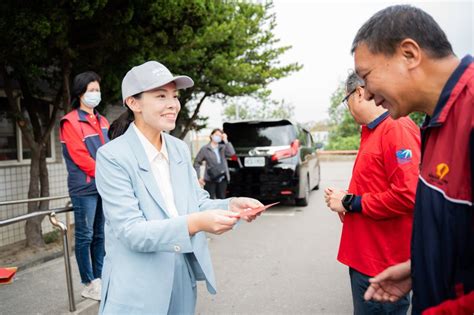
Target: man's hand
x,y
391,284
224,138
333,198
243,203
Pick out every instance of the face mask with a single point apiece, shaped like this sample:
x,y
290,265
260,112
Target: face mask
x,y
91,99
217,139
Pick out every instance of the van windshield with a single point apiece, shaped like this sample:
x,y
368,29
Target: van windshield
x,y
260,134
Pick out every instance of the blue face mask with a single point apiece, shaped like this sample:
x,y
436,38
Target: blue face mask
x,y
217,139
91,99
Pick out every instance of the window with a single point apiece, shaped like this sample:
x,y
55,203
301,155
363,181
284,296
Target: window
x,y
310,139
13,146
260,134
302,137
8,134
44,115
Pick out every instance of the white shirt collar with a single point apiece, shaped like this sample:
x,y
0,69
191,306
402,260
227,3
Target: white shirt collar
x,y
150,150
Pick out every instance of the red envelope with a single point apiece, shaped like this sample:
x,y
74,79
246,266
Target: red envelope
x,y
7,274
254,211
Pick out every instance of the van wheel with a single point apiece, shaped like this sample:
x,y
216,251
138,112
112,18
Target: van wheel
x,y
303,202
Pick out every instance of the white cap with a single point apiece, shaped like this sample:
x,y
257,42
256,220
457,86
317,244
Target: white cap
x,y
149,76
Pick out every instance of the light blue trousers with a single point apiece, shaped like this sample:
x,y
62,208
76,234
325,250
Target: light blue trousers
x,y
184,294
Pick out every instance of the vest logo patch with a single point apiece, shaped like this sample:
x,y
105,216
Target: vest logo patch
x,y
442,169
404,156
438,176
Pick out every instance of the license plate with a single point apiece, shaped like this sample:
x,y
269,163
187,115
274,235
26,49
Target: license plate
x,y
254,161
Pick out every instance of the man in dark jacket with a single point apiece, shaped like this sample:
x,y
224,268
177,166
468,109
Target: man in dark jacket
x,y
408,65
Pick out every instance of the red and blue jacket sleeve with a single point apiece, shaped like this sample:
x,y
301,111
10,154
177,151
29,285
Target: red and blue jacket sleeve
x,y
77,149
460,306
401,157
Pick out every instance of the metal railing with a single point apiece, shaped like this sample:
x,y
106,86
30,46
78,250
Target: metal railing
x,y
57,224
15,202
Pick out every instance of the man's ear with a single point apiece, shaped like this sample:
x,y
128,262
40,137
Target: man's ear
x,y
133,104
360,94
410,51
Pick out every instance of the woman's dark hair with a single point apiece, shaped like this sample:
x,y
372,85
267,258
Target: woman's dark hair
x,y
214,131
79,86
121,124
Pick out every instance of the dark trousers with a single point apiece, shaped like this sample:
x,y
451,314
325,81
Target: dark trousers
x,y
359,284
217,190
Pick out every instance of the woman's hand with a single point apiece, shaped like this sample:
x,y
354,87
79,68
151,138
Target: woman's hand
x,y
212,221
243,203
202,182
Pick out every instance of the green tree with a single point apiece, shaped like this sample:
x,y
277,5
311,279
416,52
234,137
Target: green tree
x,y
233,53
418,118
344,133
258,109
227,47
35,53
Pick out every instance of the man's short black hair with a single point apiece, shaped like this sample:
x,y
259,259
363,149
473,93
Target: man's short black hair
x,y
388,27
79,86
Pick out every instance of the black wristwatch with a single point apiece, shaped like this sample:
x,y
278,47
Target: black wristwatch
x,y
347,201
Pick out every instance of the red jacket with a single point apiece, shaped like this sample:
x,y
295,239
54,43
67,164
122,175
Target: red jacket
x,y
384,179
81,135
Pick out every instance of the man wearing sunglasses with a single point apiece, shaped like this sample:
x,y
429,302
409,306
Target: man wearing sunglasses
x,y
377,209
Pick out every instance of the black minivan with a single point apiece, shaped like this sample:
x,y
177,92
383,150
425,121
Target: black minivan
x,y
275,160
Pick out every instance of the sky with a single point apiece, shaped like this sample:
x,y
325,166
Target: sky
x,y
321,34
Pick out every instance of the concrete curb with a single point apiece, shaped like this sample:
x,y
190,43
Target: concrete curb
x,y
86,307
39,260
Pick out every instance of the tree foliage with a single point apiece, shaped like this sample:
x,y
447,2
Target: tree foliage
x,y
227,47
258,109
418,118
344,132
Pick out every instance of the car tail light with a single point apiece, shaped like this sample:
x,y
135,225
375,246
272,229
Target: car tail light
x,y
286,192
287,153
234,158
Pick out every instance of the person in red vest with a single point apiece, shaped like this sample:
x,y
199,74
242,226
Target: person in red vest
x,y
82,132
377,210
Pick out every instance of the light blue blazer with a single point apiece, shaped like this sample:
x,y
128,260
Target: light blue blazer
x,y
141,238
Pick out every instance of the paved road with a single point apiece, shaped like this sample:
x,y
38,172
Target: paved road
x,y
40,290
284,263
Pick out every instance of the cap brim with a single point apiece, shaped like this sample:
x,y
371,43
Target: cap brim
x,y
183,82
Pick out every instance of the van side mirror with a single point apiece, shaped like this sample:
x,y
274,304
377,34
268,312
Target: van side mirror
x,y
319,145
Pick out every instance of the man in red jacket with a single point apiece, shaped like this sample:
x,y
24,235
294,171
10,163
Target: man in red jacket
x,y
377,210
408,65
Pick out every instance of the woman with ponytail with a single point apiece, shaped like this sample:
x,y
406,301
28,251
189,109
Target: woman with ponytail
x,y
156,212
82,132
120,125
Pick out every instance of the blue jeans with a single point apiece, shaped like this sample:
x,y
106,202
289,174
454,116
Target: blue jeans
x,y
359,284
89,234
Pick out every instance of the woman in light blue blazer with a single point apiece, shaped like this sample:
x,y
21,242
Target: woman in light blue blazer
x,y
155,211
